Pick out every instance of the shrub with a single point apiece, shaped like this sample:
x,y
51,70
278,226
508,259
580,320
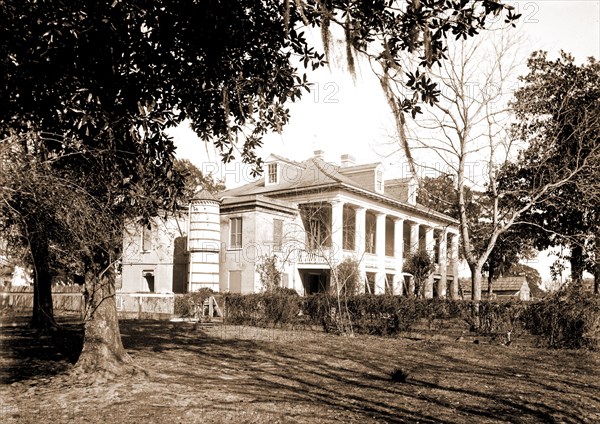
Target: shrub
x,y
268,272
375,314
280,306
318,310
420,265
399,375
501,317
348,277
564,320
189,304
569,319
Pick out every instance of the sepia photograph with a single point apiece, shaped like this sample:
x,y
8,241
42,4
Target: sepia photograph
x,y
300,211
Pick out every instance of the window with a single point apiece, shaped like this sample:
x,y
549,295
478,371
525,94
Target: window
x,y
315,233
147,238
317,223
235,233
370,283
272,173
390,237
436,250
349,233
370,233
277,234
148,281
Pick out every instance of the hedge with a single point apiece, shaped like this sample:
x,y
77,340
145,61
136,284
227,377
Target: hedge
x,y
568,319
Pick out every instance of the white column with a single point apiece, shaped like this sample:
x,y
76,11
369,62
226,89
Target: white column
x,y
414,237
359,244
337,231
398,252
443,268
413,248
380,251
429,246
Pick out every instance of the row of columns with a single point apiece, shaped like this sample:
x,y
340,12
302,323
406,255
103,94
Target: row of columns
x,y
337,210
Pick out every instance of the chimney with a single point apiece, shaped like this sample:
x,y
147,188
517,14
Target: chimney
x,y
347,160
319,154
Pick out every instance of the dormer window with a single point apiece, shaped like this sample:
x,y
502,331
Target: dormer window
x,y
272,173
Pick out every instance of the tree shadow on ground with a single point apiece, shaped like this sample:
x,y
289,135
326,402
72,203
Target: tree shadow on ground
x,y
312,377
354,380
28,353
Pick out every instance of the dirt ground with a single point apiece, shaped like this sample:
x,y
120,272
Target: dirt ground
x,y
215,374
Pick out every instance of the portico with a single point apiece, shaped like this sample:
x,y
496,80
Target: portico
x,y
376,237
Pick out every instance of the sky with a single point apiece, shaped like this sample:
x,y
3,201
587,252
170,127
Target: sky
x,y
344,116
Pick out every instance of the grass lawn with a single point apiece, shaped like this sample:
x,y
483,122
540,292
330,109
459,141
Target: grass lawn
x,y
251,375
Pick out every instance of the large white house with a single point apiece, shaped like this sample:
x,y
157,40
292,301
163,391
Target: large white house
x,y
311,215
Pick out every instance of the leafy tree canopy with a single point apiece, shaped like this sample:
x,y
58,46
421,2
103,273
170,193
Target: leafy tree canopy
x,y
558,111
440,194
121,72
420,265
195,180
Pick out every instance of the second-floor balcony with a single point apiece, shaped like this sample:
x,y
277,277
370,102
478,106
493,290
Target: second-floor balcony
x,y
320,256
390,262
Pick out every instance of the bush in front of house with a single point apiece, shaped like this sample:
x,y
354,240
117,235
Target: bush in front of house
x,y
567,319
187,305
563,320
502,317
388,315
277,307
383,315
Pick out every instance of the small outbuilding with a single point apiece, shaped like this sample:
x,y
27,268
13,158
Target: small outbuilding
x,y
510,287
513,287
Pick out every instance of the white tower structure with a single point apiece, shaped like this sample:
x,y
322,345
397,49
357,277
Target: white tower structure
x,y
204,238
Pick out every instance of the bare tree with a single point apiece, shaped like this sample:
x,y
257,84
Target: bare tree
x,y
469,132
466,131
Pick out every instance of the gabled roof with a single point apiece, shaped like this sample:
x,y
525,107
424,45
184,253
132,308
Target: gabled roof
x,y
512,283
282,159
316,174
502,284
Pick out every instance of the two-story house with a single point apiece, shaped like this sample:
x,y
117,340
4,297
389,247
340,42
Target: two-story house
x,y
312,215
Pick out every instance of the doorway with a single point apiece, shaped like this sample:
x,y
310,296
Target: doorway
x,y
315,281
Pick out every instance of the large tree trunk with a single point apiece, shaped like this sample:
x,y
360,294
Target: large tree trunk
x,y
475,282
475,294
597,267
43,311
577,264
103,350
490,279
